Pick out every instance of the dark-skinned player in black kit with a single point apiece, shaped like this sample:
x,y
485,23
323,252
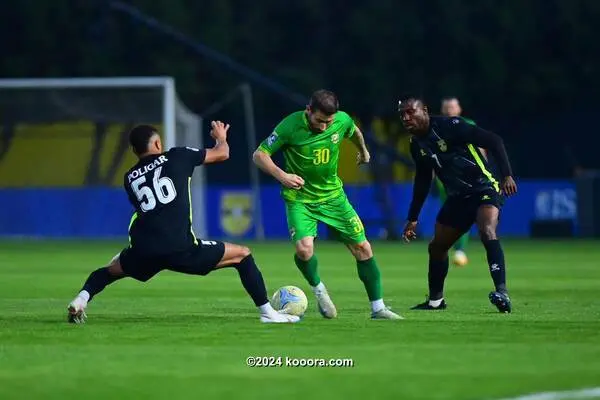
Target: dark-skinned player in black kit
x,y
449,146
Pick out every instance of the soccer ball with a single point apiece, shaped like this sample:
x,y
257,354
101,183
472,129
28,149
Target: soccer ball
x,y
460,259
291,300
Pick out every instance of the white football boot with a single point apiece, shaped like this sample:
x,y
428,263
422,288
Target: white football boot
x,y
326,306
274,317
385,313
76,311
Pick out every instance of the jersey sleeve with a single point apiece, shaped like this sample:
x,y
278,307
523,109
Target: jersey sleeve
x,y
278,137
191,156
422,183
349,125
472,134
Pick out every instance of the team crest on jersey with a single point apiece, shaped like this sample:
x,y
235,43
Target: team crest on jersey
x,y
423,153
272,138
442,145
335,138
236,213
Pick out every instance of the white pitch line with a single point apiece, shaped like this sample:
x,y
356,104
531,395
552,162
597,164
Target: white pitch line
x,y
591,393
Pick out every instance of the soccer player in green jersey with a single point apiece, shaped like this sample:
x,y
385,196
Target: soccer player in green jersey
x,y
451,108
310,140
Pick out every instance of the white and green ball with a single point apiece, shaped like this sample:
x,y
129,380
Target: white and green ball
x,y
291,300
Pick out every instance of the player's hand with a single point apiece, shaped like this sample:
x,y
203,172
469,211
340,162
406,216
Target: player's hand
x,y
509,186
219,131
363,157
292,181
409,231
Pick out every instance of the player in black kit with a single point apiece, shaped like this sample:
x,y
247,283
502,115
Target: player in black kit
x,y
160,231
448,146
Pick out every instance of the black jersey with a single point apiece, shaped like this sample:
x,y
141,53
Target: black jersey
x,y
450,149
158,187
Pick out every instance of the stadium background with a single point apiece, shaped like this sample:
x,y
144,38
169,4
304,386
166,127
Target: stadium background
x,y
536,84
525,69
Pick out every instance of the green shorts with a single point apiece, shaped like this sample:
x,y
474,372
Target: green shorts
x,y
337,213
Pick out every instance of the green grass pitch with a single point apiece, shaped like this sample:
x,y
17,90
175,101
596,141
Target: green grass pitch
x,y
187,337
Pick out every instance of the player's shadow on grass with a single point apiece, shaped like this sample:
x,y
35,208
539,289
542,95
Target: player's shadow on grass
x,y
172,318
122,319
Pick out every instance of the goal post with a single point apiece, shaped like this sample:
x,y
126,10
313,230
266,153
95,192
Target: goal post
x,y
104,101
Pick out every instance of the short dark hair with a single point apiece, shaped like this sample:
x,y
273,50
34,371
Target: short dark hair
x,y
410,98
139,138
325,101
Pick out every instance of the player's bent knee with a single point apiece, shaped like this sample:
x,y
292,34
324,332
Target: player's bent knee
x,y
362,251
304,251
114,268
239,254
244,252
233,255
305,248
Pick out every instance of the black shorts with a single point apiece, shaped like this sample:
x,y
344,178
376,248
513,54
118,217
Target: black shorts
x,y
461,212
200,259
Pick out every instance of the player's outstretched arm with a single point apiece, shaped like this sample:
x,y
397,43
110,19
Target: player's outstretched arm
x,y
266,164
220,151
495,145
359,141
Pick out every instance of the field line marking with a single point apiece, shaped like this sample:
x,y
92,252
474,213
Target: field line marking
x,y
590,393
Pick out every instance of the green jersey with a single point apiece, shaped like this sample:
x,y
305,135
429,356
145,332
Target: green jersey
x,y
312,156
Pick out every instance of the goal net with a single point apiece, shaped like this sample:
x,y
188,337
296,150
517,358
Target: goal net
x,y
71,133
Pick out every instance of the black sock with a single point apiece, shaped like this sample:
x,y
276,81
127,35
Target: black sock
x,y
437,275
97,281
495,257
252,280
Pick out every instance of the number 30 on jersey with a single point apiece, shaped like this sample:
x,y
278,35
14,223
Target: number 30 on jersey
x,y
164,190
322,156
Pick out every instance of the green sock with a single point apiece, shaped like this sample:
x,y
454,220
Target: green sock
x,y
308,269
368,273
461,244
